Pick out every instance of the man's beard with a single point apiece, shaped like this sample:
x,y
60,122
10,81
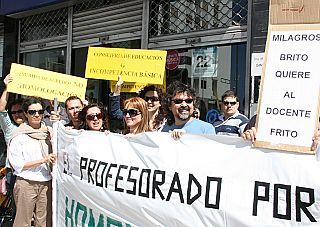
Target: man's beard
x,y
185,115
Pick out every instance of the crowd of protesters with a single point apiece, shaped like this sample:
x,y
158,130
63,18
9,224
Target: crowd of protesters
x,y
26,125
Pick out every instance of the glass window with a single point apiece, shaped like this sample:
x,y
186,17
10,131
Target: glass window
x,y
211,71
180,16
53,60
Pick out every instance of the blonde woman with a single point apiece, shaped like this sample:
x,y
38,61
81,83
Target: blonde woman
x,y
135,115
153,97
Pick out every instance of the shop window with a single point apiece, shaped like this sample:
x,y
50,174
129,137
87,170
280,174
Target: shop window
x,y
207,13
53,60
174,12
203,84
44,25
210,71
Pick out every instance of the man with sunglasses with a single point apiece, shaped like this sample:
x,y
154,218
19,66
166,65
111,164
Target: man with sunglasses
x,y
231,122
179,107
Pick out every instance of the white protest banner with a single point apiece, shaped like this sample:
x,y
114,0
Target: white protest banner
x,y
289,99
154,180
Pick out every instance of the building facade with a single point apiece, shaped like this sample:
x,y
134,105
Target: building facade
x,y
208,41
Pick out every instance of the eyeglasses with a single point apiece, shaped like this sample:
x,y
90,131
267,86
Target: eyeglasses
x,y
179,101
91,117
231,103
33,112
16,111
151,98
131,112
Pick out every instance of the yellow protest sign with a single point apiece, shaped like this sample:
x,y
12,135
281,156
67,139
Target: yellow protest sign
x,y
135,87
45,84
135,65
128,86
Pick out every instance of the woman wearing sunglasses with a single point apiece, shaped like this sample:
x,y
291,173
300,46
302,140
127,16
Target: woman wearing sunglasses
x,y
135,115
30,155
153,97
11,119
93,117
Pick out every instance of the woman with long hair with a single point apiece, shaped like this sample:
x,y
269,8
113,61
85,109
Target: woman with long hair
x,y
93,117
151,94
135,115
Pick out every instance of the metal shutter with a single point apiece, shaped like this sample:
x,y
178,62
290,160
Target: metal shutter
x,y
109,24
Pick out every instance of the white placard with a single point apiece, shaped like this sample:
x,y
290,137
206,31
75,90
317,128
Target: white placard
x,y
288,111
256,64
153,180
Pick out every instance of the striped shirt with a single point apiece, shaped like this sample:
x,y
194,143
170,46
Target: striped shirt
x,y
233,126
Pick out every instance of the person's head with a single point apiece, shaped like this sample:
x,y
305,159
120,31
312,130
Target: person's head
x,y
93,117
153,96
179,103
73,106
33,110
135,115
16,113
230,103
196,113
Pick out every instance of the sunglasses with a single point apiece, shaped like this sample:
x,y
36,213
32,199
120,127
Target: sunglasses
x,y
91,117
231,103
16,111
33,112
179,101
131,112
151,98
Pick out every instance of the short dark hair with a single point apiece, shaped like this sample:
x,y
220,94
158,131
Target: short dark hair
x,y
173,89
29,101
229,93
72,98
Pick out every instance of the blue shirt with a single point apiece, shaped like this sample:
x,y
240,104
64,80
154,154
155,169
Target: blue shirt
x,y
194,126
115,111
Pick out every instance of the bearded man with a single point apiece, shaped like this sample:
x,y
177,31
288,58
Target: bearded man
x,y
179,107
